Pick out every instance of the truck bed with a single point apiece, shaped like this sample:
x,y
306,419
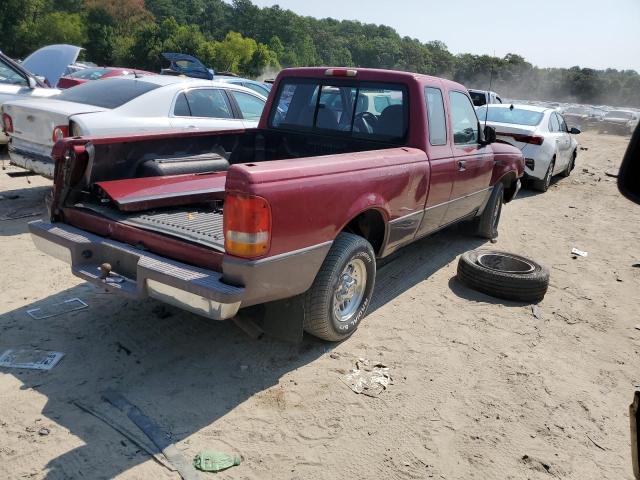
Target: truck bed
x,y
200,224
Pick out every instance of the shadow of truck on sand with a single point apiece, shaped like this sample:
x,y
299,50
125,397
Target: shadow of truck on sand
x,y
183,371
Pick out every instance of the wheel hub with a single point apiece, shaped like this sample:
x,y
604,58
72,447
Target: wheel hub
x,y
350,290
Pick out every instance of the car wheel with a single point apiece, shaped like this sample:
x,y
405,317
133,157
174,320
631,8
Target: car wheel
x,y
487,222
570,166
543,185
503,275
342,290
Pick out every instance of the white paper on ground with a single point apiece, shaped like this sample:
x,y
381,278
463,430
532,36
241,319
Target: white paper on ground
x,y
33,359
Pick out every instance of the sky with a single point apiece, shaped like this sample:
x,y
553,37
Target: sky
x,y
548,33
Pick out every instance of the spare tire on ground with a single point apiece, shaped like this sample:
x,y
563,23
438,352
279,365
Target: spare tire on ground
x,y
503,275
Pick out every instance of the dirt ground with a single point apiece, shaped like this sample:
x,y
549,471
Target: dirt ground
x,y
481,388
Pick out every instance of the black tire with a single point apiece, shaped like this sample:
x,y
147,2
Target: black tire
x,y
320,317
570,166
487,222
504,275
543,185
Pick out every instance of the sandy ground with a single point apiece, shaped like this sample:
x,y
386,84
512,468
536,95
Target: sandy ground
x,y
481,388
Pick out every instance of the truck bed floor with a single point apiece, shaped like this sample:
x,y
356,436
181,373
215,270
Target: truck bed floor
x,y
201,225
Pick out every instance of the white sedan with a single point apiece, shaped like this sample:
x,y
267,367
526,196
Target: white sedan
x,y
123,106
541,133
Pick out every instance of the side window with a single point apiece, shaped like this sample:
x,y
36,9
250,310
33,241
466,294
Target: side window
x,y
257,88
435,111
10,76
464,121
210,103
181,109
250,106
554,126
563,125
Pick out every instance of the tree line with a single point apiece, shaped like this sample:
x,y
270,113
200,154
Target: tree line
x,y
251,41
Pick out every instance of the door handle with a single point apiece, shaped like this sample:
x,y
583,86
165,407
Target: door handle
x,y
461,165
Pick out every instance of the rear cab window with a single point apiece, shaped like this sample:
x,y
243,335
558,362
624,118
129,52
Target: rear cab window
x,y
110,93
370,110
436,116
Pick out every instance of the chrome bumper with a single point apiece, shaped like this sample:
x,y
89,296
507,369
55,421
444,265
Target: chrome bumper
x,y
138,274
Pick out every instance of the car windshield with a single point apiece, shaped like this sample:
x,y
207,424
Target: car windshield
x,y
89,73
108,93
368,110
619,114
515,116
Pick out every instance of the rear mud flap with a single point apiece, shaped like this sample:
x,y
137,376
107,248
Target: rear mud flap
x,y
282,319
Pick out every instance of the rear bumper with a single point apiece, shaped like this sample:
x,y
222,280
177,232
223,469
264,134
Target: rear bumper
x,y
138,274
35,162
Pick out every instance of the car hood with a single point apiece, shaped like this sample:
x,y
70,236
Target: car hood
x,y
194,69
52,61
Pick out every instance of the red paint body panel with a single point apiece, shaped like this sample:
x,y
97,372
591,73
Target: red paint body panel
x,y
313,199
148,192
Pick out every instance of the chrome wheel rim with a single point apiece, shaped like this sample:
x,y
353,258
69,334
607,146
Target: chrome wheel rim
x,y
350,289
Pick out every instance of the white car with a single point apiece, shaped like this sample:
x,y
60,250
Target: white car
x,y
122,106
541,133
483,97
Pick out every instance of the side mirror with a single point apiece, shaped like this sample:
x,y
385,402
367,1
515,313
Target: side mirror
x,y
32,82
489,134
574,131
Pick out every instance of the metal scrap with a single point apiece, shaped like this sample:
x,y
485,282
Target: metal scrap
x,y
31,359
70,305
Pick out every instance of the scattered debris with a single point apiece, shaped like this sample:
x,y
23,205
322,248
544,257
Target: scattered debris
x,y
599,446
113,423
32,359
44,431
368,378
637,327
535,309
611,174
636,265
584,148
56,309
22,173
211,461
160,438
579,253
537,464
334,355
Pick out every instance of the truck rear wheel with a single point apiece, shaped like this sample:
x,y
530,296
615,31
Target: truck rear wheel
x,y
342,290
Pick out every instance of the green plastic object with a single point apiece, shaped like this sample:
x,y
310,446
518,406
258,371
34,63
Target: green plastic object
x,y
211,461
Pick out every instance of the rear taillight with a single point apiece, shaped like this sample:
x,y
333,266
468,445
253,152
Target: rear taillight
x,y
60,132
247,225
518,137
7,123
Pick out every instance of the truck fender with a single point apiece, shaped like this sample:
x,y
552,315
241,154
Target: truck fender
x,y
371,209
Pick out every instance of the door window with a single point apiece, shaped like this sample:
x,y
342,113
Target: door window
x,y
250,106
435,111
181,108
563,125
208,103
554,125
463,119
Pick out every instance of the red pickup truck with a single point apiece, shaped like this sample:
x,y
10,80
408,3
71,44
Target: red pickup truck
x,y
346,166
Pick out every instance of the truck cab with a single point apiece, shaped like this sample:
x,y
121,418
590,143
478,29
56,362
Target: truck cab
x,y
345,167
